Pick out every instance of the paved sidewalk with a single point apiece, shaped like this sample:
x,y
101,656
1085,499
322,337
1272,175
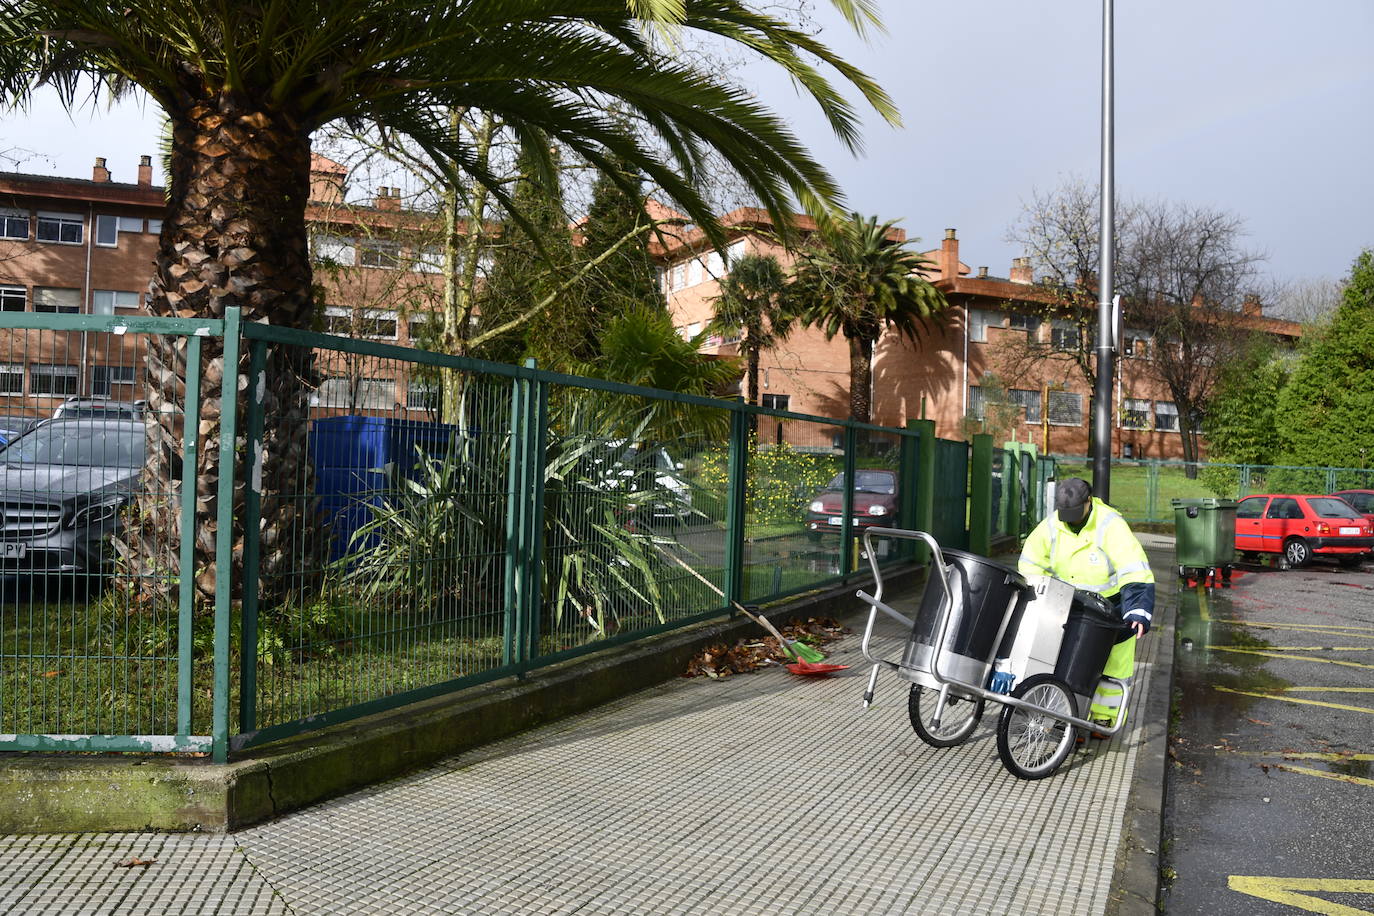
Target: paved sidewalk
x,y
764,793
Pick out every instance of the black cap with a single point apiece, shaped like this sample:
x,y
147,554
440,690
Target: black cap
x,y
1072,499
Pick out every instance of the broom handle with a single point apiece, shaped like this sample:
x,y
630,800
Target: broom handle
x,y
761,621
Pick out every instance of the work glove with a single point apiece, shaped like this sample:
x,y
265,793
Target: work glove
x,y
1001,680
1140,617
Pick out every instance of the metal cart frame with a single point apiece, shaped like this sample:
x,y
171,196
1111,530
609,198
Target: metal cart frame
x,y
933,678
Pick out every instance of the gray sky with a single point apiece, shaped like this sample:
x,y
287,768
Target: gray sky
x,y
1257,107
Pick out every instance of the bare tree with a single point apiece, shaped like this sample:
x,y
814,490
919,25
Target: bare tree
x,y
1307,301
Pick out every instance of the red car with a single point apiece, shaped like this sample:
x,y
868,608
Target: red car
x,y
1297,526
1362,500
875,503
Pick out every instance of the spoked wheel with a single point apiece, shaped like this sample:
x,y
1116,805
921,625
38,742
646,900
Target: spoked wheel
x,y
958,718
1034,744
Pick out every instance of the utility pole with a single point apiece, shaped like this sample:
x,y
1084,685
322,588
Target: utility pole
x,y
1102,392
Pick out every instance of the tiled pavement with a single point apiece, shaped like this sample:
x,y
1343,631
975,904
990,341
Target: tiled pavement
x,y
765,793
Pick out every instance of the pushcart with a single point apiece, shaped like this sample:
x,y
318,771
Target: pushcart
x,y
974,612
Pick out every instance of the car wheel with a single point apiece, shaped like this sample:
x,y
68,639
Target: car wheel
x,y
1296,552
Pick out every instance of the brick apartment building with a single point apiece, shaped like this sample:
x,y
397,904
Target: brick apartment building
x,y
941,376
87,246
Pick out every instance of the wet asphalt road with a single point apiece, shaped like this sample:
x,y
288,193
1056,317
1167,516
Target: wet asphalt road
x,y
1270,794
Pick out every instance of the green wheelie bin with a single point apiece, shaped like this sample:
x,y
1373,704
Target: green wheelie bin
x,y
1205,536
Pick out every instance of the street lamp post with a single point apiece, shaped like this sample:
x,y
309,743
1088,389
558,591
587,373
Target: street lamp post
x,y
1102,393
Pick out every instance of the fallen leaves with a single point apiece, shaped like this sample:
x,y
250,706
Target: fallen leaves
x,y
718,660
136,862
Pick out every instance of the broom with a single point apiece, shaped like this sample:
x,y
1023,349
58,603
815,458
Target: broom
x,y
804,654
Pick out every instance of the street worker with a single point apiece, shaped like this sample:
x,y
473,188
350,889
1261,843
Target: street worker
x,y
1087,543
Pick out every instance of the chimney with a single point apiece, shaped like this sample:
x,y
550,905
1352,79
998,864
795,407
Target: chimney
x,y
982,273
1251,307
145,171
388,198
949,256
1197,300
100,173
1021,271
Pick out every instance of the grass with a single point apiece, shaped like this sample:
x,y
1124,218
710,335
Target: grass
x,y
1131,488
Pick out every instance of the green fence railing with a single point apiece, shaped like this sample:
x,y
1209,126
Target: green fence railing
x,y
238,532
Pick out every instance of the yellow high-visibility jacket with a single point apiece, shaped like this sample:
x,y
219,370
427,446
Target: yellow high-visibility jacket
x,y
1103,557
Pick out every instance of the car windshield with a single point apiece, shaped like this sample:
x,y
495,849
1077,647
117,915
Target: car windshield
x,y
1331,507
78,444
1361,501
867,482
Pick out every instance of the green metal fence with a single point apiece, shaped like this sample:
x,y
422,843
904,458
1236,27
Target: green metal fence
x,y
1143,489
309,528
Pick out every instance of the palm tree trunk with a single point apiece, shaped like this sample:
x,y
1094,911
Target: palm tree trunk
x,y
860,378
233,236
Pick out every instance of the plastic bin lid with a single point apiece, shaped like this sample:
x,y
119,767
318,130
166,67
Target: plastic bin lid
x,y
1203,502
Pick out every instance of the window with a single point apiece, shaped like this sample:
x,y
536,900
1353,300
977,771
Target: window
x,y
13,299
104,378
11,378
429,260
715,266
105,301
1065,335
107,228
1028,399
677,277
64,228
776,401
379,253
694,272
333,248
1065,408
154,227
422,396
1135,413
346,322
356,393
737,250
1136,344
52,380
52,299
1022,322
975,402
1281,507
14,224
1251,508
979,320
1166,416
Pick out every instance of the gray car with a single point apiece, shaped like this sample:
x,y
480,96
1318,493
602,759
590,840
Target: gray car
x,y
62,486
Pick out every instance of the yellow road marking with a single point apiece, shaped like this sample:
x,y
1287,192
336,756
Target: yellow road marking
x,y
1202,603
1327,689
1321,648
1309,627
1284,890
1300,658
1271,696
1339,777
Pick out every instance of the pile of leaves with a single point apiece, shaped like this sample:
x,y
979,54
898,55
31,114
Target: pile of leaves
x,y
719,660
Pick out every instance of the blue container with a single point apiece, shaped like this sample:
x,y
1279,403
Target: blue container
x,y
359,460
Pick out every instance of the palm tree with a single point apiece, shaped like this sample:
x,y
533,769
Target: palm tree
x,y
244,85
750,303
855,279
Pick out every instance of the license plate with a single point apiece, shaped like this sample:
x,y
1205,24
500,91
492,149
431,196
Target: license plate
x,y
837,522
13,551
1350,531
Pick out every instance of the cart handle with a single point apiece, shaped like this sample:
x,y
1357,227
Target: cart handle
x,y
876,602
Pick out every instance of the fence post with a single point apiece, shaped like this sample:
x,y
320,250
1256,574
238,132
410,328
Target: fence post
x,y
1152,491
252,535
923,490
536,457
224,534
980,496
1011,488
186,583
737,468
847,552
518,628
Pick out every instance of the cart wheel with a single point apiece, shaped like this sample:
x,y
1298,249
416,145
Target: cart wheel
x,y
1034,744
957,720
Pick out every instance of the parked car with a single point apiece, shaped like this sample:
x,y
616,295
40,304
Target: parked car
x,y
12,427
653,483
1361,500
99,408
62,486
875,503
1297,526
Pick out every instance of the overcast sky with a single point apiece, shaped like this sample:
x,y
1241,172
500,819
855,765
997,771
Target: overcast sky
x,y
1257,107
